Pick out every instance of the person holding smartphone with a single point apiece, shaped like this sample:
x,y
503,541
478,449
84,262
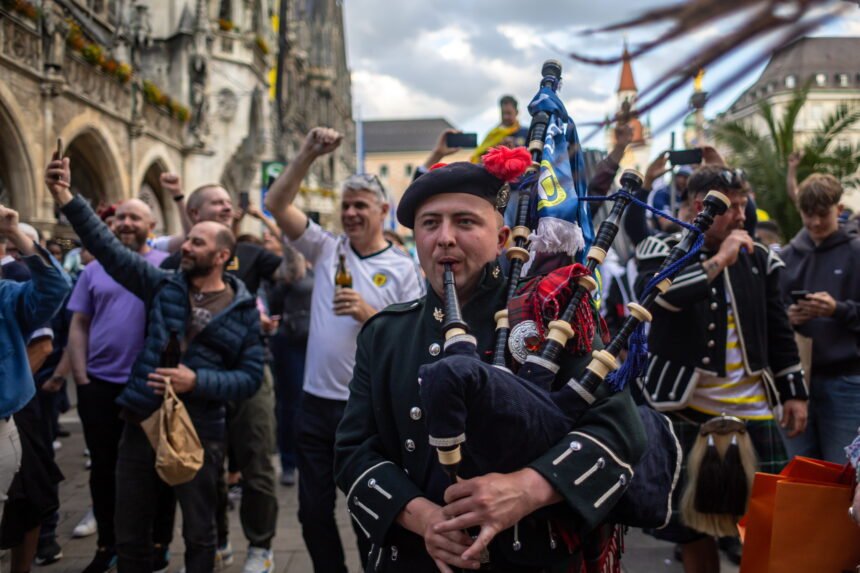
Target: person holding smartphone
x,y
821,288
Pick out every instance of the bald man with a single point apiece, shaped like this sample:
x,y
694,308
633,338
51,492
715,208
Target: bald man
x,y
217,324
102,361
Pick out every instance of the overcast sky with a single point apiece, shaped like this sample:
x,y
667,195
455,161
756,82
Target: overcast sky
x,y
454,58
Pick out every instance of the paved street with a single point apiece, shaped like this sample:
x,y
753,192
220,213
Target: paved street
x,y
643,554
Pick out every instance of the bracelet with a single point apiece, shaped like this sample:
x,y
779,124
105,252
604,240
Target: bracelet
x,y
179,198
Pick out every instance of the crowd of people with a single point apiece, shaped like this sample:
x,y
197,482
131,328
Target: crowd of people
x,y
308,344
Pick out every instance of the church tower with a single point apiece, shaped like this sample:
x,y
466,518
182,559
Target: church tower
x,y
639,151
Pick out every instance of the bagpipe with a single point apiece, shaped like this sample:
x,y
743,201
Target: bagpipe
x,y
484,417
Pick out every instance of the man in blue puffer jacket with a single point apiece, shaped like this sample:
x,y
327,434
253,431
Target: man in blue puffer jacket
x,y
218,325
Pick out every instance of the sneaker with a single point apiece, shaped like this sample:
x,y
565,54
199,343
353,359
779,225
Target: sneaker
x,y
86,526
48,553
259,560
234,493
160,558
104,561
288,478
224,556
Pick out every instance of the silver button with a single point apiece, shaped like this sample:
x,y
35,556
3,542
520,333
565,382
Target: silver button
x,y
713,291
712,327
516,545
702,256
410,445
711,344
371,482
415,413
791,377
706,360
575,446
622,479
601,463
714,306
435,349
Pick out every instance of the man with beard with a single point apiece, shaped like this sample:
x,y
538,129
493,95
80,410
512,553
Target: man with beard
x,y
250,423
381,275
217,323
102,361
721,343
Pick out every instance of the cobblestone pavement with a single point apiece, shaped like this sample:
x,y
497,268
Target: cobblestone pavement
x,y
643,554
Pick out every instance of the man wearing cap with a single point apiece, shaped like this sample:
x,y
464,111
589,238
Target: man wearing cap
x,y
381,276
396,490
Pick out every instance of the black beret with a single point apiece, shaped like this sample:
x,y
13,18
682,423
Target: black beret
x,y
459,177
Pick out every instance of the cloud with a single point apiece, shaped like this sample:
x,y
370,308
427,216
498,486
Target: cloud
x,y
455,59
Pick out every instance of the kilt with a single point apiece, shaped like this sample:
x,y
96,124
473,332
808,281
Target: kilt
x,y
770,452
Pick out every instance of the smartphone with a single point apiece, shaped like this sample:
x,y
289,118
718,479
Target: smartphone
x,y
685,157
59,153
463,140
798,295
244,200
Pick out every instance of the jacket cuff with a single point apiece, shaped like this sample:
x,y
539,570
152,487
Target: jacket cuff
x,y
588,474
690,285
790,384
841,310
377,497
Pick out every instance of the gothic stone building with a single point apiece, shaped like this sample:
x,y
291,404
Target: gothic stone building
x,y
135,88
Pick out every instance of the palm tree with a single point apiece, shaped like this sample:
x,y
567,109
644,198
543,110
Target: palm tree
x,y
764,157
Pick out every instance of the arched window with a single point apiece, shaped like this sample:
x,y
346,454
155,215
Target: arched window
x,y
383,170
821,80
791,82
225,10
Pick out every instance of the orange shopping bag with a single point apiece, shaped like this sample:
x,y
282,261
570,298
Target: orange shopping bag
x,y
798,521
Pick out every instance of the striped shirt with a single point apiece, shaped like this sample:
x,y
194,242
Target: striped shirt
x,y
736,394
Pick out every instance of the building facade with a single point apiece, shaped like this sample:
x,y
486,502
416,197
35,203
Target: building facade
x,y
829,66
141,87
313,88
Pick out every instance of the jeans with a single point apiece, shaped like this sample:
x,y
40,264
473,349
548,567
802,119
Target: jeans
x,y
288,368
834,417
102,426
137,486
10,457
315,432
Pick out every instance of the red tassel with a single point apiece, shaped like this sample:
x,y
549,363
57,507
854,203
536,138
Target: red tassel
x,y
507,164
437,166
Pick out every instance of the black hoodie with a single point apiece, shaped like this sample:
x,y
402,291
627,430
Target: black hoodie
x,y
832,266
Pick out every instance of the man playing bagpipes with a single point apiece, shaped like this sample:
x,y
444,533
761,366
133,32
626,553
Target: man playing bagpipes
x,y
396,490
723,363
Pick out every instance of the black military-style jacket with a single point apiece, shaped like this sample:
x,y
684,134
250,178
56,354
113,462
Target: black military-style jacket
x,y
383,459
689,330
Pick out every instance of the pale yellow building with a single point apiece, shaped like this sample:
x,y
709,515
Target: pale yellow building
x,y
395,148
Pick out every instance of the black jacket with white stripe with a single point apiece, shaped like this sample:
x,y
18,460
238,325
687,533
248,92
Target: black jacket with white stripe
x,y
688,334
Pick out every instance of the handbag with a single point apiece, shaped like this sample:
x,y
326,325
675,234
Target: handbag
x,y
178,451
798,520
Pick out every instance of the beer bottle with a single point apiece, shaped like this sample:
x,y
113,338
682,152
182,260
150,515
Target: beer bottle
x,y
342,278
171,353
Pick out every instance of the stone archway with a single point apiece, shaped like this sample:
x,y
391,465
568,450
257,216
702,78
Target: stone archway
x,y
91,176
16,169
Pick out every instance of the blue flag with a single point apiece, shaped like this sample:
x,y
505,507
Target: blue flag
x,y
564,221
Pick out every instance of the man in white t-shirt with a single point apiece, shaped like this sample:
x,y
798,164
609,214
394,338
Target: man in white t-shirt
x,y
381,275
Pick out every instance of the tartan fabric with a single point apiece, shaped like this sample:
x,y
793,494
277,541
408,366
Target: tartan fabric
x,y
770,452
544,299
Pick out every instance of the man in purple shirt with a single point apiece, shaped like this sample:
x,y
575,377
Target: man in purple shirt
x,y
105,337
